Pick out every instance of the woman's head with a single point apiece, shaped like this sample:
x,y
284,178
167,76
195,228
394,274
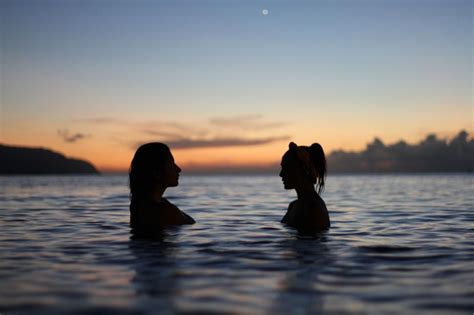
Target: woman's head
x,y
152,166
302,166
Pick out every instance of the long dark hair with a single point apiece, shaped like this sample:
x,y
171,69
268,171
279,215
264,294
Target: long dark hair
x,y
149,159
318,159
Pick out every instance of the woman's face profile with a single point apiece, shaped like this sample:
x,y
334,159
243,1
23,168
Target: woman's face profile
x,y
170,174
290,172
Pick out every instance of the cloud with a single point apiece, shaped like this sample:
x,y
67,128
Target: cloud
x,y
253,122
159,128
71,138
163,134
171,129
187,143
242,122
100,120
214,133
430,155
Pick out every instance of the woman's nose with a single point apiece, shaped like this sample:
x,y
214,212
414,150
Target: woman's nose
x,y
178,168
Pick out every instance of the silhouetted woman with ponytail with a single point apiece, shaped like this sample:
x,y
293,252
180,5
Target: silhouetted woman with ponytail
x,y
302,168
152,171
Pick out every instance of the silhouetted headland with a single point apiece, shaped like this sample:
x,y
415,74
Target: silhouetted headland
x,y
24,160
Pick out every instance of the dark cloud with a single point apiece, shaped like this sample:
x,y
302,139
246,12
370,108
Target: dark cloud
x,y
71,138
429,155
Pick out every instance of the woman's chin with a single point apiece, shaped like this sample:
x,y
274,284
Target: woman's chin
x,y
174,184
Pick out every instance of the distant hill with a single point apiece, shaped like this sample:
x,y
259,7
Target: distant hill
x,y
23,160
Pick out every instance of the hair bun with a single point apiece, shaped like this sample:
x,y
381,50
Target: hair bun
x,y
316,149
292,145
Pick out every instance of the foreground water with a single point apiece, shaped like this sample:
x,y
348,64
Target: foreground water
x,y
398,245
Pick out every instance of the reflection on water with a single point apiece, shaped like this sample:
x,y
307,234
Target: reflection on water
x,y
155,272
311,258
398,244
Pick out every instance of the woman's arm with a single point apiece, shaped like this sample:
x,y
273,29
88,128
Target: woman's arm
x,y
187,218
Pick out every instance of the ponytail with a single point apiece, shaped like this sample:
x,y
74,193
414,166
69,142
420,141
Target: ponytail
x,y
319,162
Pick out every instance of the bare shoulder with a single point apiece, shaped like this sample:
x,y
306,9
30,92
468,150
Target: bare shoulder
x,y
310,215
174,216
319,202
289,217
321,213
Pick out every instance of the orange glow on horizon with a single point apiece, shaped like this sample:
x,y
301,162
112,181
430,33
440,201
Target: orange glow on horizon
x,y
113,153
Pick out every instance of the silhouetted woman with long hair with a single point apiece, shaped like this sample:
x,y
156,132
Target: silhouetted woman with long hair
x,y
152,170
302,168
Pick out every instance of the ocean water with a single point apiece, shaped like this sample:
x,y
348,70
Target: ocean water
x,y
398,245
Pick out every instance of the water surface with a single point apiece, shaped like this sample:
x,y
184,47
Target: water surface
x,y
398,245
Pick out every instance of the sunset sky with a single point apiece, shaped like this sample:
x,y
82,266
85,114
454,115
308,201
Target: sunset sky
x,y
225,83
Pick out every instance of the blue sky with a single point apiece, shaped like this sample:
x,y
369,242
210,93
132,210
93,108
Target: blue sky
x,y
351,70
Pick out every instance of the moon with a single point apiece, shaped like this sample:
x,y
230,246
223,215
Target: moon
x,y
265,12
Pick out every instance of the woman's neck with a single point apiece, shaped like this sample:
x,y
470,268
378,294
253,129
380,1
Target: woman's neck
x,y
157,194
306,193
